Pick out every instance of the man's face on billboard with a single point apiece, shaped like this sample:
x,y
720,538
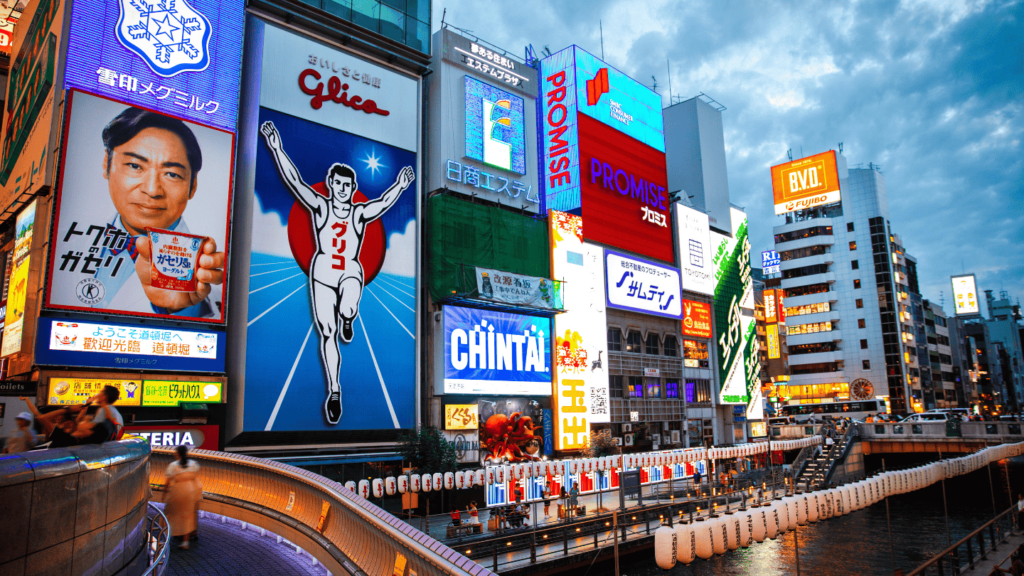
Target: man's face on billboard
x,y
150,179
342,188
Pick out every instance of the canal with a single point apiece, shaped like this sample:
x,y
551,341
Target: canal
x,y
858,543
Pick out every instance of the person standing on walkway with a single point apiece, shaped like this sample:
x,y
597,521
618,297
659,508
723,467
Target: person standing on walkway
x,y
184,491
696,479
1020,511
474,514
562,509
23,438
547,502
574,498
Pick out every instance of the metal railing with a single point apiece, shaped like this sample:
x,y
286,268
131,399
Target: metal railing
x,y
936,431
158,536
952,561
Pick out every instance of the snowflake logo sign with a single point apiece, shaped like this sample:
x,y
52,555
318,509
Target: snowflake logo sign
x,y
170,35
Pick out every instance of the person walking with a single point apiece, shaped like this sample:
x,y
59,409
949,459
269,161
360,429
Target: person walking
x,y
184,491
1020,511
23,438
547,502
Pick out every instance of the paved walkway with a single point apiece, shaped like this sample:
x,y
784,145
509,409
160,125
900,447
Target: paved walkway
x,y
226,548
1000,557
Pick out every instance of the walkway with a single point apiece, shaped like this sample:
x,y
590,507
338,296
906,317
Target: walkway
x,y
1000,557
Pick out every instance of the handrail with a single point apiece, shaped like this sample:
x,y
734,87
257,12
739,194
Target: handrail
x,y
952,550
833,460
158,542
270,482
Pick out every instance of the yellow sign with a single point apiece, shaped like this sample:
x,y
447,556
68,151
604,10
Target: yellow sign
x,y
772,334
68,391
399,565
173,393
17,292
461,417
758,429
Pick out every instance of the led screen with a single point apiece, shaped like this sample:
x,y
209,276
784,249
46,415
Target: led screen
x,y
965,295
495,127
611,97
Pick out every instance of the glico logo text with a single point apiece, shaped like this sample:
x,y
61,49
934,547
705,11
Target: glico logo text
x,y
335,92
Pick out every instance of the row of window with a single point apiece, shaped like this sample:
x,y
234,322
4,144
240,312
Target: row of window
x,y
805,271
819,288
638,387
805,233
804,252
808,309
812,328
635,344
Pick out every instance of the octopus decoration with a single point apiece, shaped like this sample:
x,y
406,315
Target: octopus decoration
x,y
511,437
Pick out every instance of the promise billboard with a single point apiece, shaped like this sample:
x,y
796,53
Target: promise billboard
x,y
806,183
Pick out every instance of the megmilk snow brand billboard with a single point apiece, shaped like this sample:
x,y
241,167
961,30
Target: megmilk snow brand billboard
x,y
331,335
806,183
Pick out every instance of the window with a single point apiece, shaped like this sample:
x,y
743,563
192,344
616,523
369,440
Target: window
x,y
807,309
636,387
615,386
614,340
863,344
849,226
855,265
652,344
853,245
856,283
860,303
805,271
634,343
670,346
819,368
866,364
695,354
805,233
812,348
672,390
654,388
861,323
698,391
809,328
806,290
804,252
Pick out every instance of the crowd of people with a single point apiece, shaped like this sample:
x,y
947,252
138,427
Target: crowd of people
x,y
94,422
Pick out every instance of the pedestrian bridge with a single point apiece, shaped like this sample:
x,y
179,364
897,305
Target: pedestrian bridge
x,y
945,437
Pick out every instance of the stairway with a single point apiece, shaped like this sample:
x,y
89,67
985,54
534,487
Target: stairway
x,y
817,469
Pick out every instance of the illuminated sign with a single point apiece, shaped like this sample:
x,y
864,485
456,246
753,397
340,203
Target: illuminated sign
x,y
772,335
14,320
461,416
184,60
495,127
642,286
695,354
612,98
696,319
738,365
204,437
174,393
71,391
771,308
770,262
485,61
806,183
758,429
72,343
694,250
965,295
496,184
581,345
488,352
561,158
518,289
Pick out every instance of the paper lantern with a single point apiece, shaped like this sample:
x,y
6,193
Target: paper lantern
x,y
390,485
847,494
732,531
403,484
492,475
718,530
782,514
793,509
378,488
364,488
506,473
426,482
746,522
771,517
517,472
449,480
460,479
758,525
702,539
351,486
499,474
813,507
438,482
665,547
480,477
686,547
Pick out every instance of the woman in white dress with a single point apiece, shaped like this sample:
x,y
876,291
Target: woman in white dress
x,y
184,491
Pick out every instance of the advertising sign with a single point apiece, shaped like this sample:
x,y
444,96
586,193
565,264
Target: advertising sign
x,y
518,290
512,429
694,250
806,183
695,354
174,392
18,387
73,343
642,286
158,177
204,437
965,295
461,417
483,60
70,391
489,352
581,380
182,58
696,319
734,319
10,13
561,152
331,327
772,335
17,294
758,429
771,308
495,127
770,262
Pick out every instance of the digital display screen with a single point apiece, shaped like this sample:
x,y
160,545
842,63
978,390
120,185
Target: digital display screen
x,y
611,97
495,127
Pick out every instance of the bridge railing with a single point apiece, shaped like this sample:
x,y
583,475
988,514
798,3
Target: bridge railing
x,y
792,431
971,549
924,431
359,536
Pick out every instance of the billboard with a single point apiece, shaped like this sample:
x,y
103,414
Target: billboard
x,y
495,127
772,335
159,177
74,391
734,317
518,289
806,183
482,60
581,338
770,262
771,306
696,319
14,318
965,295
513,429
692,231
164,393
202,436
488,352
331,327
182,58
642,286
461,417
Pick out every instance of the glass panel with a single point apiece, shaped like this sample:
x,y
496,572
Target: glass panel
x,y
392,23
315,3
340,8
396,4
897,429
417,34
991,429
365,13
418,9
1015,429
879,429
916,429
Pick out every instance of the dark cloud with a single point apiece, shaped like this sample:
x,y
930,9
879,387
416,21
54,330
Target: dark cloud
x,y
932,91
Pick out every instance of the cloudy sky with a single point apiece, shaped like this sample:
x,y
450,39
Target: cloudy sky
x,y
930,90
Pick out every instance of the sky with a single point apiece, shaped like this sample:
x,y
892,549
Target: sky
x,y
930,91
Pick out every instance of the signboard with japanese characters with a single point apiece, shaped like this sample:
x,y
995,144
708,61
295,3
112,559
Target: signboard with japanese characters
x,y
176,392
643,286
497,66
18,281
692,229
72,391
130,178
181,58
518,290
770,262
461,416
72,343
696,319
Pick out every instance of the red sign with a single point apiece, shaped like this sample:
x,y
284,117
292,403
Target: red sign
x,y
206,437
696,319
771,307
336,91
780,296
623,189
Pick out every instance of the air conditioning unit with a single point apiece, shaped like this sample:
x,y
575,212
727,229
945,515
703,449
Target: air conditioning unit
x,y
629,440
627,427
656,438
618,441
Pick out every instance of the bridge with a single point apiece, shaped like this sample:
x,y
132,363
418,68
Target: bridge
x,y
947,438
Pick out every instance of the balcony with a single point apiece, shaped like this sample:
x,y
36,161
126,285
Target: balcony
x,y
815,338
807,261
820,357
823,240
829,277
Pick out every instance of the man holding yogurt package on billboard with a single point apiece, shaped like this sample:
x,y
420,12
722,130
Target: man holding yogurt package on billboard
x,y
140,256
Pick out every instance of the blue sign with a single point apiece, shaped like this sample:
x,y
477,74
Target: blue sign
x,y
87,343
770,262
549,433
178,57
495,127
488,352
559,134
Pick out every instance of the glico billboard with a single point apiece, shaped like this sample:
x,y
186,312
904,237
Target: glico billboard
x,y
603,153
806,183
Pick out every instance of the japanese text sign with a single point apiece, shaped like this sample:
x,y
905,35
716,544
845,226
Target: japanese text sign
x,y
642,286
173,392
18,282
770,262
461,416
696,319
771,306
965,295
72,391
517,289
692,229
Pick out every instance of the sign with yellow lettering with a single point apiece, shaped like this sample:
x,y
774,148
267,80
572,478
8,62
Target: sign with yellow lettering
x,y
173,393
69,391
461,417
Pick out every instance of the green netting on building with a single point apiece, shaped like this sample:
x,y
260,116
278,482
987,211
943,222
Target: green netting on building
x,y
462,235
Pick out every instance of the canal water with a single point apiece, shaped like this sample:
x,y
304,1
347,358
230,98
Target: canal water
x,y
858,543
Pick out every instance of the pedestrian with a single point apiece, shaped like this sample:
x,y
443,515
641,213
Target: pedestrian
x,y
696,479
474,514
547,501
184,491
456,517
561,502
23,438
1020,511
574,497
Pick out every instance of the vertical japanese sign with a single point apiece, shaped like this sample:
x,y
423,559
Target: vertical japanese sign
x,y
15,318
581,380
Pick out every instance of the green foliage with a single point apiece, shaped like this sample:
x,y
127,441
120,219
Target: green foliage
x,y
428,451
601,444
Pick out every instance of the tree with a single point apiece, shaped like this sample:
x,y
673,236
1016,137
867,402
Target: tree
x,y
601,444
428,450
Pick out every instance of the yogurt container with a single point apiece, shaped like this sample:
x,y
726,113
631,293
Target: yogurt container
x,y
175,259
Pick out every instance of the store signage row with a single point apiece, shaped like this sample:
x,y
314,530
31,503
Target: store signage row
x,y
142,347
488,352
153,393
642,286
204,437
518,290
806,183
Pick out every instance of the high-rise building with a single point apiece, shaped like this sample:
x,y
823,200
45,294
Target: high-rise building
x,y
1003,327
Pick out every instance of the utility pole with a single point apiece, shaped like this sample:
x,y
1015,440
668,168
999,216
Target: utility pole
x,y
615,529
